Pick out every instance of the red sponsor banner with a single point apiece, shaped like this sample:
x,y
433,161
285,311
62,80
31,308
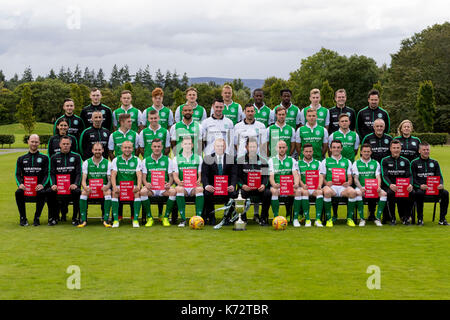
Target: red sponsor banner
x,y
338,176
286,185
190,178
254,179
432,184
126,190
220,185
312,179
96,186
63,183
402,185
30,183
371,186
158,180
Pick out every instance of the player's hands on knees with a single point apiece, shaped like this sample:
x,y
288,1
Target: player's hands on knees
x,y
262,188
409,188
246,188
167,186
346,184
54,187
136,189
209,188
440,187
393,187
39,187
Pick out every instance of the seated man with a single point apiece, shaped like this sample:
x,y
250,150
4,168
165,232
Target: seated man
x,y
252,163
32,166
126,168
422,168
308,163
284,165
65,164
367,168
153,165
188,161
96,167
218,163
337,177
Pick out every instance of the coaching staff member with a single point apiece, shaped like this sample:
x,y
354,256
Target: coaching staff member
x,y
92,135
32,164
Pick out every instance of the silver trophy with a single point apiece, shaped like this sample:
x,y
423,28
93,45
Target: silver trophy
x,y
240,208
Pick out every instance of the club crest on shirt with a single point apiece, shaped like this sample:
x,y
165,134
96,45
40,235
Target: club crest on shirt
x,y
75,122
431,165
380,115
72,159
386,141
39,160
402,163
163,163
413,143
163,114
372,167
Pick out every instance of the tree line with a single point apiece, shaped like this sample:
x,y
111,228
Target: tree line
x,y
415,86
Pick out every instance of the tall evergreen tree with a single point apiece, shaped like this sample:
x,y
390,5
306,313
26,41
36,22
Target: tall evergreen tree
x,y
124,74
426,105
77,76
51,74
100,81
114,80
27,75
159,79
147,80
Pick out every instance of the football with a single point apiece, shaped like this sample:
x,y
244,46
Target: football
x,y
279,223
196,222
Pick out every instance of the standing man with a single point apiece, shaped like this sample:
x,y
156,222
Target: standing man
x,y
92,135
250,163
314,134
340,97
308,163
165,114
422,168
323,115
157,162
153,131
127,108
293,117
86,113
124,133
222,164
33,166
249,128
379,141
198,112
280,131
96,167
69,163
284,165
262,112
337,177
349,139
392,167
233,110
368,168
217,126
186,127
126,167
76,124
410,144
367,116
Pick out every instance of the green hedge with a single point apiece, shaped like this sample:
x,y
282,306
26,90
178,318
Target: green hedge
x,y
432,138
7,139
43,138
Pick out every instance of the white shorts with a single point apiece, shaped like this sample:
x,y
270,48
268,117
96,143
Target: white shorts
x,y
311,191
338,190
189,190
158,193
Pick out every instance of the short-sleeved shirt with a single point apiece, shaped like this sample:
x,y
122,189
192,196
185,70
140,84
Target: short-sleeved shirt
x,y
135,117
97,171
147,135
198,116
165,117
323,116
163,163
350,143
276,133
233,112
316,135
179,163
244,131
366,170
117,138
263,114
293,117
126,168
280,167
329,163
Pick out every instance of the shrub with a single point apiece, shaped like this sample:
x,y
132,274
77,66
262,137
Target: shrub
x,y
7,139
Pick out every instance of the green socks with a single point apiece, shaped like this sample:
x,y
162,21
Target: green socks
x,y
107,208
319,207
146,209
381,205
327,204
351,208
360,207
297,206
169,206
305,206
275,206
199,203
83,207
181,203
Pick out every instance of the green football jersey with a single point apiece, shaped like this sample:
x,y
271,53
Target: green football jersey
x,y
327,165
163,163
180,163
317,136
263,115
233,112
323,116
135,117
126,169
350,143
292,115
148,135
198,115
304,166
118,137
368,170
165,117
276,133
283,167
181,130
94,171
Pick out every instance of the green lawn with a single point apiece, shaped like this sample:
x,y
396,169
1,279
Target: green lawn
x,y
260,263
40,128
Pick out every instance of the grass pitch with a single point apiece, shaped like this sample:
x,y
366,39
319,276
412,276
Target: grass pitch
x,y
260,263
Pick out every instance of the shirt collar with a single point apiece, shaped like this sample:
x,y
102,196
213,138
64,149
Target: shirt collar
x,y
158,158
312,159
340,158
245,121
126,160
131,106
159,127
259,108
284,158
124,133
285,124
307,124
98,162
366,162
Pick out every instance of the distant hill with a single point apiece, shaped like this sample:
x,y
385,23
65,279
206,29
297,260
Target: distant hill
x,y
251,83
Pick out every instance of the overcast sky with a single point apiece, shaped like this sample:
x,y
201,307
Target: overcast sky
x,y
235,39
